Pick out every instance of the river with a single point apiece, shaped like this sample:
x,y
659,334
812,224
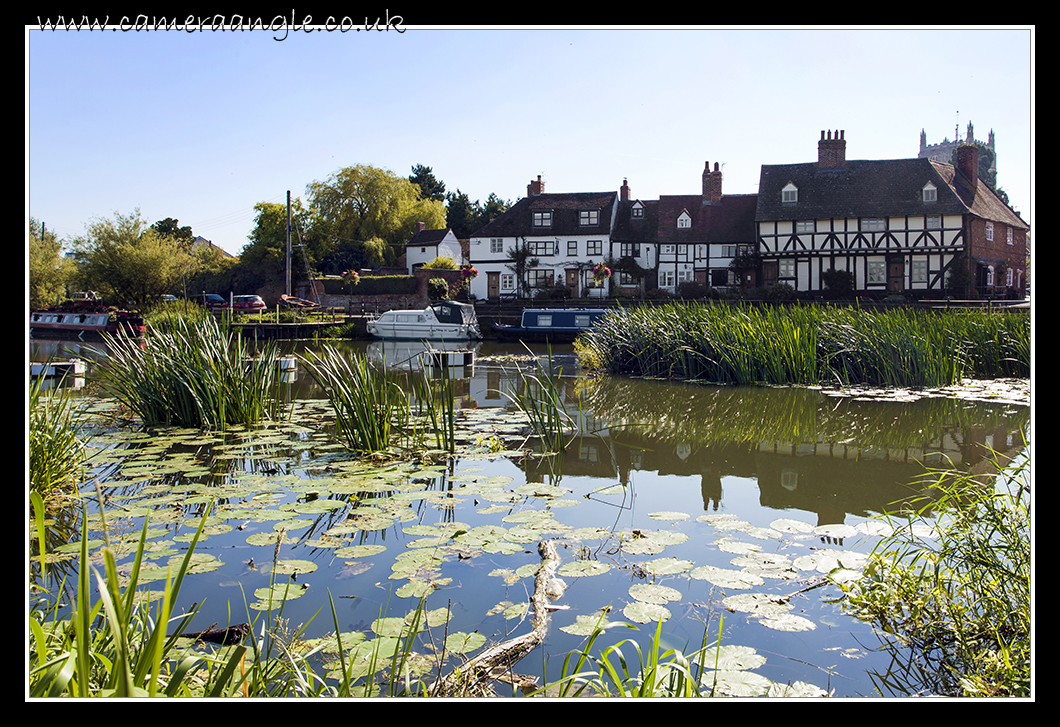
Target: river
x,y
668,484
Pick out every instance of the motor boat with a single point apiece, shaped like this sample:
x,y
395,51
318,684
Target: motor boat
x,y
443,321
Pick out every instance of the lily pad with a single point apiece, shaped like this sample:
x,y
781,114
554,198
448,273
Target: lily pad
x,y
788,622
653,593
584,568
736,683
643,613
730,657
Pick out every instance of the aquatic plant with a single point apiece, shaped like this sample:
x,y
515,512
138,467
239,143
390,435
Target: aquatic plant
x,y
367,404
539,397
194,374
809,345
956,586
56,454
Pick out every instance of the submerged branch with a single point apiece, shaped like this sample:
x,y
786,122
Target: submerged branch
x,y
495,662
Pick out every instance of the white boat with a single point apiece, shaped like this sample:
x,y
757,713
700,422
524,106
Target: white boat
x,y
444,321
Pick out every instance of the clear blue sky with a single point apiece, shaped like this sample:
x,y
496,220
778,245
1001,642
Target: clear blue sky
x,y
202,126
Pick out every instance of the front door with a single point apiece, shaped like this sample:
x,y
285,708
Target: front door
x,y
572,282
493,285
895,277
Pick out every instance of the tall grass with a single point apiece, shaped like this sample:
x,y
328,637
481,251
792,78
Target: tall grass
x,y
809,345
56,455
954,586
539,397
193,374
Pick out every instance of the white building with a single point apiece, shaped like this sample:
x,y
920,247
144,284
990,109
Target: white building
x,y
427,245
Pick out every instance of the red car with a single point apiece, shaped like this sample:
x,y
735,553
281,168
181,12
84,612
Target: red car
x,y
251,303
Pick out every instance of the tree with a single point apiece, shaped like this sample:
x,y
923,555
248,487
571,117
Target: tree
x,y
522,261
360,205
171,228
48,268
129,261
465,217
430,187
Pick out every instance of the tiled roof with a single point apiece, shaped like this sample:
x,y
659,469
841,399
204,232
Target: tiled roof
x,y
875,189
428,237
636,229
565,208
732,219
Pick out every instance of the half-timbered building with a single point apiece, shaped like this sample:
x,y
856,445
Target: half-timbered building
x,y
900,226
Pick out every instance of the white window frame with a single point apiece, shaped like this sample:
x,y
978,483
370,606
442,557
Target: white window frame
x,y
805,226
918,271
543,219
931,194
589,218
873,224
684,221
541,248
933,222
790,194
990,231
572,248
876,271
629,249
496,245
507,281
785,268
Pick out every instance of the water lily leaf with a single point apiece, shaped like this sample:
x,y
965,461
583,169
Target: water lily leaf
x,y
796,689
726,578
762,605
788,622
652,593
462,643
671,516
787,525
668,566
584,625
290,567
643,613
730,657
583,568
736,683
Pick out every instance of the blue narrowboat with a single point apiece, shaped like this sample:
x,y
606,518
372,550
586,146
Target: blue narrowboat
x,y
551,324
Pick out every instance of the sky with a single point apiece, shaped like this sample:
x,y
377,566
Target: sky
x,y
201,126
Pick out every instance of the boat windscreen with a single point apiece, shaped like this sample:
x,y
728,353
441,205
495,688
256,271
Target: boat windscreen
x,y
453,313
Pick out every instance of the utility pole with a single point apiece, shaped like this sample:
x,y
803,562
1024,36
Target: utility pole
x,y
288,242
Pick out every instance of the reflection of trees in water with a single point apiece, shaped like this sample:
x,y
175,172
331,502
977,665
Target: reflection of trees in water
x,y
718,416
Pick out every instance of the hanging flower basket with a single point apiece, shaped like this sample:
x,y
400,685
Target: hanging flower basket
x,y
468,273
601,271
351,278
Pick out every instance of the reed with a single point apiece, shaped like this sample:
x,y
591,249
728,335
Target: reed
x,y
192,375
56,454
539,397
369,408
809,345
959,598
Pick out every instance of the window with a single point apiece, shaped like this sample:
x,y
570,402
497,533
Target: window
x,y
637,212
544,321
684,221
539,278
666,279
668,249
877,271
790,194
919,271
507,281
786,268
873,224
990,231
684,276
572,248
804,226
581,321
540,248
1008,236
930,193
626,279
496,244
543,219
589,218
728,250
1008,277
594,247
934,222
629,249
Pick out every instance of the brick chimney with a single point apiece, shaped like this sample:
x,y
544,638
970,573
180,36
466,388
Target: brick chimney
x,y
420,227
711,184
968,162
623,193
832,152
535,188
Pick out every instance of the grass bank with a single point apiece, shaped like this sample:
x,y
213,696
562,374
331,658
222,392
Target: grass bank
x,y
809,345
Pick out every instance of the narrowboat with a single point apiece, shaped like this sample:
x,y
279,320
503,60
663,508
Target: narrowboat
x,y
85,323
551,324
444,321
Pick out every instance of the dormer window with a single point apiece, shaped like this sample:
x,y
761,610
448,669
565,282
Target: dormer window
x,y
790,194
637,212
930,193
589,218
543,219
684,221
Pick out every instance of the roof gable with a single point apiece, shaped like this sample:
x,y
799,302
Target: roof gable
x,y
566,219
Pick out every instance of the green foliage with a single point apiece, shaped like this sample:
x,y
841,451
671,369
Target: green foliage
x,y
437,289
49,270
193,374
373,285
372,211
56,455
953,582
132,263
441,263
811,345
839,283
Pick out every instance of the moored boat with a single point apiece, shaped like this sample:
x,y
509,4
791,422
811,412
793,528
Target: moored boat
x,y
85,322
443,321
551,324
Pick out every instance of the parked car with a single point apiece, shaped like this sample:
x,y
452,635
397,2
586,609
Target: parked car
x,y
248,303
210,300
